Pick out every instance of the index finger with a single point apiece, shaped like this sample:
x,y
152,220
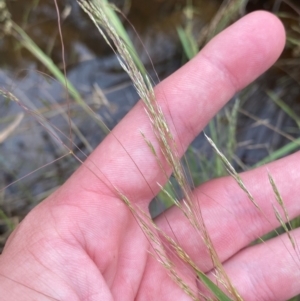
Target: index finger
x,y
189,99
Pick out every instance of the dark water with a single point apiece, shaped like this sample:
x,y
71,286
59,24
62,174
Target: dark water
x,y
91,65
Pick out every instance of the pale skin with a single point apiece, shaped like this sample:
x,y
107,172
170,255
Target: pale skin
x,y
82,243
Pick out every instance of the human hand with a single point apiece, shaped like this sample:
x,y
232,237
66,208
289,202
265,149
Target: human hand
x,y
82,243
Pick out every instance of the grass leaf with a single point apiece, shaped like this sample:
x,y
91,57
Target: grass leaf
x,y
213,287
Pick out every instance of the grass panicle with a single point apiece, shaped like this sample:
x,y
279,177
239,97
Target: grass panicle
x,y
231,170
285,223
97,10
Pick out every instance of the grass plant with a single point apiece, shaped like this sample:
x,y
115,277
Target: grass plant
x,y
109,25
97,12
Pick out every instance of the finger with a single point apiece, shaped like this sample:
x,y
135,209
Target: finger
x,y
189,99
232,220
269,271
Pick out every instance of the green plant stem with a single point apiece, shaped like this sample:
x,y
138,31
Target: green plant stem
x,y
30,45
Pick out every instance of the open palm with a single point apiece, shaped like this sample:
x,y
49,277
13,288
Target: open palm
x,y
82,243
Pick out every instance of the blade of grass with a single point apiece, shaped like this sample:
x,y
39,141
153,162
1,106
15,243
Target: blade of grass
x,y
288,148
110,10
213,287
284,107
7,220
232,120
218,166
30,45
188,43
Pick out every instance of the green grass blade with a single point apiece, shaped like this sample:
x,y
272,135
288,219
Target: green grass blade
x,y
188,43
213,287
7,221
30,45
290,147
218,165
287,109
110,11
232,118
293,41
